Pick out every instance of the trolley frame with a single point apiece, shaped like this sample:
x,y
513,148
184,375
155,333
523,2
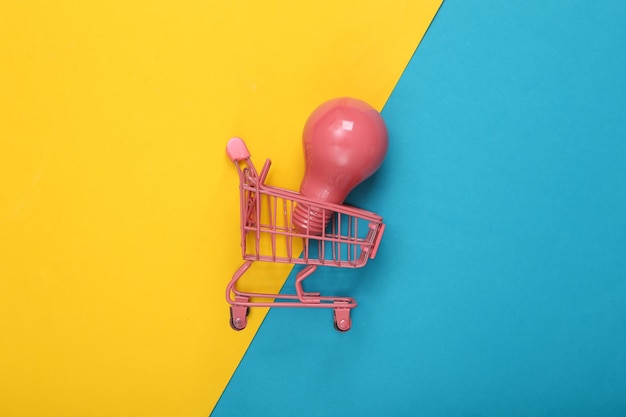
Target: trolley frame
x,y
268,237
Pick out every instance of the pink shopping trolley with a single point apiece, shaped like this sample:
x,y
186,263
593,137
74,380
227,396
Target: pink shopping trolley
x,y
268,234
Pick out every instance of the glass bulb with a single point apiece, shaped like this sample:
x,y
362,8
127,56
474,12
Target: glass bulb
x,y
345,141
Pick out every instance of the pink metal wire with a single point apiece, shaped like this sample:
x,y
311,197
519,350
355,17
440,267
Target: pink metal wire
x,y
268,234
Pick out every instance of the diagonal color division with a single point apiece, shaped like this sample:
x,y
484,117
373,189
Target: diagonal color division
x,y
499,286
118,206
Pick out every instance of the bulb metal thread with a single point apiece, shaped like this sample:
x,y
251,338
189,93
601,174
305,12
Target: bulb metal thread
x,y
310,220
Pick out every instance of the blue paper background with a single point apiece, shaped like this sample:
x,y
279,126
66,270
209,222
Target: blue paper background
x,y
500,285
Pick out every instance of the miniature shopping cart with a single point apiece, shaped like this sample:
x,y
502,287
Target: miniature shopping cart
x,y
268,234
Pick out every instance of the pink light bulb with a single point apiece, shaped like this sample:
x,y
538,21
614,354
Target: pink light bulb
x,y
345,141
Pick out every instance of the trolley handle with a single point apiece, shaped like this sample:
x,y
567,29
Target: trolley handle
x,y
237,150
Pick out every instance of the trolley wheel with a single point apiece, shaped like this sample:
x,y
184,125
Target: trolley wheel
x,y
239,321
342,320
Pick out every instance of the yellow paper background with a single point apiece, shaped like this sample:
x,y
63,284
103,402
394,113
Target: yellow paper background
x,y
118,206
